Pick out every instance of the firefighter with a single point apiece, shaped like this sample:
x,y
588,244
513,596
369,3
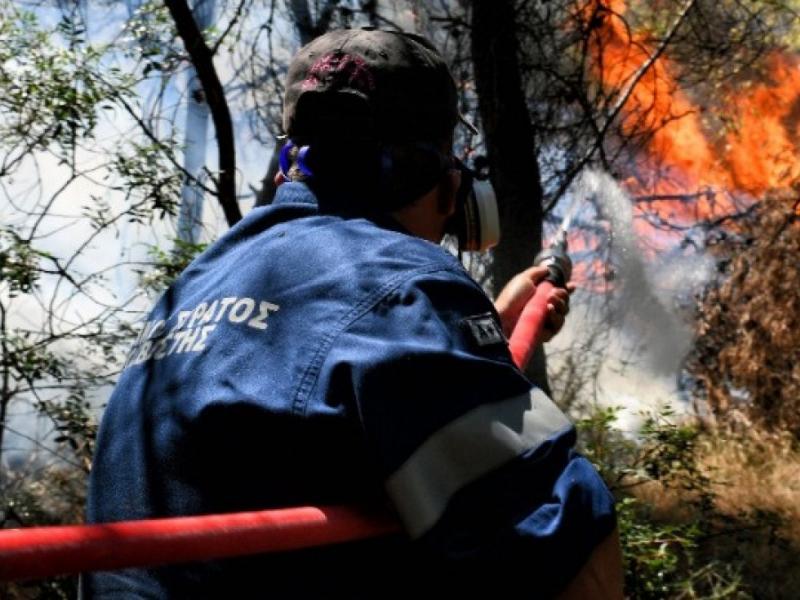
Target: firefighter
x,y
328,350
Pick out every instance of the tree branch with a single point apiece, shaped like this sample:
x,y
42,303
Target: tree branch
x,y
236,16
203,62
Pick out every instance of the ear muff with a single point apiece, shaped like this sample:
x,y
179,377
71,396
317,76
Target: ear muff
x,y
476,222
285,159
406,172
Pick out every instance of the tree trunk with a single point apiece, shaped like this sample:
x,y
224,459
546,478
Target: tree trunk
x,y
203,62
190,215
510,146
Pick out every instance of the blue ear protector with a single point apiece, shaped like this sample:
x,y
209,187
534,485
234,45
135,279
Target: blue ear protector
x,y
285,160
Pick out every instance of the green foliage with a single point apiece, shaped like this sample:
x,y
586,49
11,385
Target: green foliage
x,y
61,329
52,86
664,557
679,538
168,265
668,455
87,137
19,262
75,424
61,324
654,553
150,178
28,361
153,38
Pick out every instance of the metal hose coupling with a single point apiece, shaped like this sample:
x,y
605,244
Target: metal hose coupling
x,y
557,261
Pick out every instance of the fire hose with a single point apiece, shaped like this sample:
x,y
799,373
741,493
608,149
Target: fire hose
x,y
533,319
37,552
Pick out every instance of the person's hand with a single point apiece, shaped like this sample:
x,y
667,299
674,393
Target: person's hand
x,y
520,289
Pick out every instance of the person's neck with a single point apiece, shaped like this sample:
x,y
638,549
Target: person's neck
x,y
422,218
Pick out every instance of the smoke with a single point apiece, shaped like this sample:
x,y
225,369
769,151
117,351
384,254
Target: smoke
x,y
647,308
644,300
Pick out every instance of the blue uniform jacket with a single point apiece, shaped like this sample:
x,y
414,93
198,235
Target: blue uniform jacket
x,y
315,356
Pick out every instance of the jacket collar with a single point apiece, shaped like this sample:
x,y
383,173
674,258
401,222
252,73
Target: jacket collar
x,y
329,202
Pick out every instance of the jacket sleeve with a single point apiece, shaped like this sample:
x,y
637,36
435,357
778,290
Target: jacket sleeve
x,y
478,463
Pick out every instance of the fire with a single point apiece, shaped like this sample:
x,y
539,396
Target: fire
x,y
695,163
762,151
686,171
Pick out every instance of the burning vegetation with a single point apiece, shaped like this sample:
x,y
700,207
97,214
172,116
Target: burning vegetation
x,y
721,156
704,149
700,121
747,355
725,158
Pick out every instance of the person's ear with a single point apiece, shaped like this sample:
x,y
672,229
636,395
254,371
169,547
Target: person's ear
x,y
448,192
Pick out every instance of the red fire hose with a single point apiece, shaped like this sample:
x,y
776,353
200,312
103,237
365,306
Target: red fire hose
x,y
531,323
47,551
37,552
530,326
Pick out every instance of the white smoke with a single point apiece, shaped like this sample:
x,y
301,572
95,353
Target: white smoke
x,y
645,313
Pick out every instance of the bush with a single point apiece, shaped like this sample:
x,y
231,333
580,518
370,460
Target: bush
x,y
694,517
42,495
747,353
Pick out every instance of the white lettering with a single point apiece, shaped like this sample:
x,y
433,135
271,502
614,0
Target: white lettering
x,y
157,329
141,336
177,339
182,316
210,312
237,315
226,302
193,327
198,311
144,351
189,338
160,347
204,332
260,321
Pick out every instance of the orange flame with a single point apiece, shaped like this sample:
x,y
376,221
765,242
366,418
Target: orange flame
x,y
762,150
686,172
694,164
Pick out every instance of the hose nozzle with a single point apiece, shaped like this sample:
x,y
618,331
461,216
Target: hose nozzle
x,y
557,261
